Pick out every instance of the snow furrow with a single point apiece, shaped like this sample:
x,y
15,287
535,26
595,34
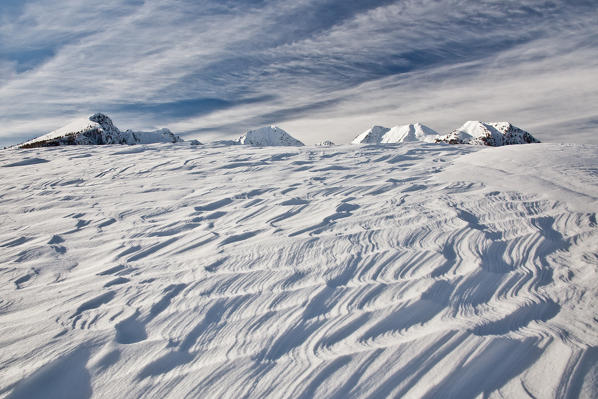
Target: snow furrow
x,y
411,270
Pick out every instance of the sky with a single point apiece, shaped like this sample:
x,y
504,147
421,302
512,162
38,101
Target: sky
x,y
320,69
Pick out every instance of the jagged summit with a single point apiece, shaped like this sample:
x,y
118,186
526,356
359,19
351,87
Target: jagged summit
x,y
98,129
397,134
104,122
371,136
269,136
493,134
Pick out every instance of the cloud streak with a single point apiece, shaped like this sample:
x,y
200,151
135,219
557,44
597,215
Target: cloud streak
x,y
319,68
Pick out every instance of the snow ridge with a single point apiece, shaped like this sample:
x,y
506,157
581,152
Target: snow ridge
x,y
269,136
494,134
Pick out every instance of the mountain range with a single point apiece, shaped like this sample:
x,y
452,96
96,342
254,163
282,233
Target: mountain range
x,y
98,129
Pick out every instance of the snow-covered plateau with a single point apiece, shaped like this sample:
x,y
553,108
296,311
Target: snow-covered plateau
x,y
214,271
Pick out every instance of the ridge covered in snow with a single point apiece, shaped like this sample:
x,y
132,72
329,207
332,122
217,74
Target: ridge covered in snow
x,y
396,134
269,136
494,134
409,133
98,129
163,135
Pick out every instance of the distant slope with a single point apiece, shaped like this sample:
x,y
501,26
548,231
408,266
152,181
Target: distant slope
x,y
98,129
494,134
269,136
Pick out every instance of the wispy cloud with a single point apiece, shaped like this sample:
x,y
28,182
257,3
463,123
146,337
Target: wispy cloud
x,y
318,68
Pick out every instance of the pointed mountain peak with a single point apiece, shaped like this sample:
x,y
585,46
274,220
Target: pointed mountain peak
x,y
269,136
371,136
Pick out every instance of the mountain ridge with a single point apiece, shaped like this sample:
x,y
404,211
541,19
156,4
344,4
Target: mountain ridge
x,y
98,129
493,134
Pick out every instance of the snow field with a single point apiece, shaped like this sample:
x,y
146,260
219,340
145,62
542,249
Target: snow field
x,y
414,270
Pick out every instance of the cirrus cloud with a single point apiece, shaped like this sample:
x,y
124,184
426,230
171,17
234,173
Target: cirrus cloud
x,y
320,68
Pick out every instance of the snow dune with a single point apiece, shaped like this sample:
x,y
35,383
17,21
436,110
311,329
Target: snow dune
x,y
417,271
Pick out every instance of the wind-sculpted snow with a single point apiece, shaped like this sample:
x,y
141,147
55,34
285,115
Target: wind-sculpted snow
x,y
418,270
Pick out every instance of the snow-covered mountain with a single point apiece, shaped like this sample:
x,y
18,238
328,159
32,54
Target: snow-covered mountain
x,y
397,134
493,134
371,136
98,129
408,133
163,135
269,136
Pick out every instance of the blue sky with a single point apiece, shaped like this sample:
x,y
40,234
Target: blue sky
x,y
323,69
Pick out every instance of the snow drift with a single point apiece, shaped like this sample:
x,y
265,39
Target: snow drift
x,y
411,271
494,134
269,136
98,129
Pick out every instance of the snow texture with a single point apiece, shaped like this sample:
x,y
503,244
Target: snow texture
x,y
495,134
413,271
98,129
268,136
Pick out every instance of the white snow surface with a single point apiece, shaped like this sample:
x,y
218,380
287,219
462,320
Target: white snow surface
x,y
269,136
412,271
495,134
99,129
